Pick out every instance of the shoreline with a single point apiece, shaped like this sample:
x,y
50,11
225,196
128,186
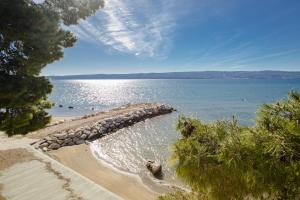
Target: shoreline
x,y
126,185
155,187
80,159
145,185
158,186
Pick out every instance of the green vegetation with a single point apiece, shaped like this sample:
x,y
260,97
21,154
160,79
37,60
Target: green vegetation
x,y
225,160
31,36
179,195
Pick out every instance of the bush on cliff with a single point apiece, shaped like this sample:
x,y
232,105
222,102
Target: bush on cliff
x,y
225,160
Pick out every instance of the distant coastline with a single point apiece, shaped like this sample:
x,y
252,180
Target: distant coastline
x,y
190,75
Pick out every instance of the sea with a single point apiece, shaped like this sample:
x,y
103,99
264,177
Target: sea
x,y
205,99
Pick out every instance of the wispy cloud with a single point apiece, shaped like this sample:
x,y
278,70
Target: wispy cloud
x,y
138,27
235,53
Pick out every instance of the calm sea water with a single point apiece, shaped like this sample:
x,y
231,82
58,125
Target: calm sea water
x,y
208,100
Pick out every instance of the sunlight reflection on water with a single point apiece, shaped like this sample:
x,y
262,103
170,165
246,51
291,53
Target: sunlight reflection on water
x,y
129,148
106,92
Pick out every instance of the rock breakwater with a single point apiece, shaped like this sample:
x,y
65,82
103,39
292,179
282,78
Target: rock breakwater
x,y
101,128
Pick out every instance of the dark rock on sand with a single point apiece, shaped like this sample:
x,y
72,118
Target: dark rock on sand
x,y
154,167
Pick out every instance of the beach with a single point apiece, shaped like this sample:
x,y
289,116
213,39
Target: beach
x,y
26,173
19,157
115,163
149,100
80,159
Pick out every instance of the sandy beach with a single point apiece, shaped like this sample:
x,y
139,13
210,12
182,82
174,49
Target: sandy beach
x,y
18,158
29,174
80,159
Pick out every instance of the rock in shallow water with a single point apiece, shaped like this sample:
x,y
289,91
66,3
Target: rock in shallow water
x,y
98,129
154,167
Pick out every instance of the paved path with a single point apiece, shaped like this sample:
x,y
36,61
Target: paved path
x,y
27,174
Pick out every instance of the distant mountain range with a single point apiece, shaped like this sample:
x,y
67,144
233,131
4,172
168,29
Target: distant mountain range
x,y
190,75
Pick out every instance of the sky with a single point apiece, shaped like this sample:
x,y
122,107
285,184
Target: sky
x,y
132,36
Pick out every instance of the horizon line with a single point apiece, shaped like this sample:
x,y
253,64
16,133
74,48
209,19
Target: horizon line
x,y
135,73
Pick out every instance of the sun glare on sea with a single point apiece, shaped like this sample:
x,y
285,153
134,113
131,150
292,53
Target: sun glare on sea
x,y
107,92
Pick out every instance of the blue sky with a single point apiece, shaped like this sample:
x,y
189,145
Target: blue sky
x,y
130,36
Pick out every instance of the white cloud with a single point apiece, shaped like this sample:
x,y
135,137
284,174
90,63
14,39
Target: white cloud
x,y
138,27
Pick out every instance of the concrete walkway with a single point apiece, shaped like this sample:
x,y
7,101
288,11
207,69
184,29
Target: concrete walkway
x,y
34,175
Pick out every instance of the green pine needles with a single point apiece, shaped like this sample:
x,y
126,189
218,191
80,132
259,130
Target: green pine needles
x,y
225,160
31,37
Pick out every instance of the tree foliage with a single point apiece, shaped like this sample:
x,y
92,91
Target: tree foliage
x,y
70,11
225,160
31,36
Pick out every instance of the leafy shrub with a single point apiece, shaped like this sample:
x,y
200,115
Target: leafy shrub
x,y
179,195
225,160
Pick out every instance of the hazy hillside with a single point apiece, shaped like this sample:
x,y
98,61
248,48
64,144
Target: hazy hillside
x,y
191,75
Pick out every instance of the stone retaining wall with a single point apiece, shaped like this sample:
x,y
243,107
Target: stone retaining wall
x,y
99,129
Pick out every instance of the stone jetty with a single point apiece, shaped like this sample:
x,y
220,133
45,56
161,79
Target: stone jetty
x,y
100,128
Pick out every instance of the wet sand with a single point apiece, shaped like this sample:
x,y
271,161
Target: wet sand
x,y
80,159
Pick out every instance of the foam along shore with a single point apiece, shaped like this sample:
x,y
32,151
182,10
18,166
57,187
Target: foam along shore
x,y
80,159
99,128
25,176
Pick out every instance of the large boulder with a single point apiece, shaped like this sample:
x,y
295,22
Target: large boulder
x,y
154,167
